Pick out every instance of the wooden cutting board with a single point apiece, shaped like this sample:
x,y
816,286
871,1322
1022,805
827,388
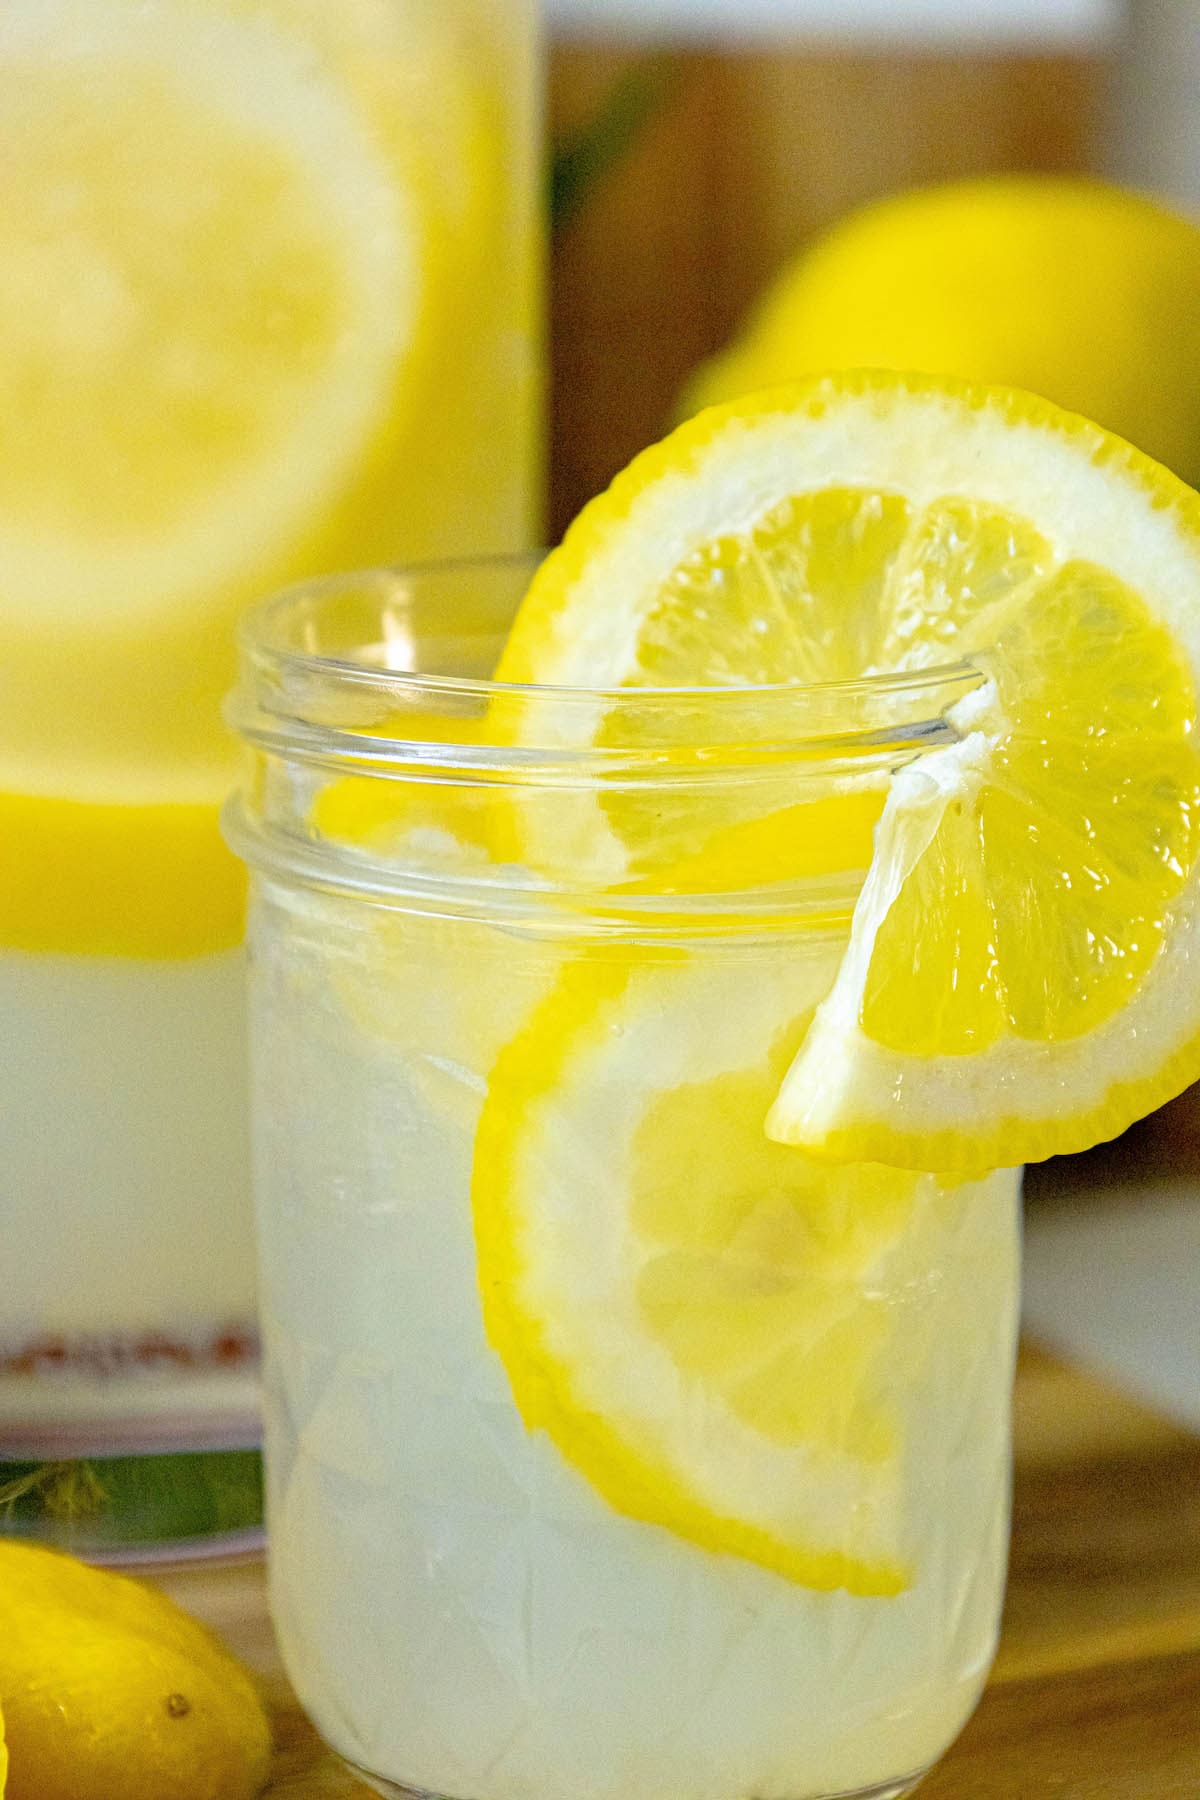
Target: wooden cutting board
x,y
1096,1691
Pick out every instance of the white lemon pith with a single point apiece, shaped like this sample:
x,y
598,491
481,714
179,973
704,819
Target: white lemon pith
x,y
719,1333
1021,977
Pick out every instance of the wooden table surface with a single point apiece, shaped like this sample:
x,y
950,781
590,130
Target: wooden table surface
x,y
1096,1690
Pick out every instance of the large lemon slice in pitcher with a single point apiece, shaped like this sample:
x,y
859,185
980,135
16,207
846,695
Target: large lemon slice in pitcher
x,y
222,254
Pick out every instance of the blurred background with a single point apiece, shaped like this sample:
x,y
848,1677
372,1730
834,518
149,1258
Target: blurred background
x,y
699,145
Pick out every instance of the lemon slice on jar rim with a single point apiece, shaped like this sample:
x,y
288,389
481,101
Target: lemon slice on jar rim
x,y
1022,976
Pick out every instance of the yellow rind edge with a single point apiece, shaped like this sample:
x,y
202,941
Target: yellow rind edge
x,y
969,1156
152,881
947,1151
678,453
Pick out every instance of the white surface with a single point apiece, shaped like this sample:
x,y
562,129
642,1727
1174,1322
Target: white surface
x,y
947,22
124,1168
1114,1280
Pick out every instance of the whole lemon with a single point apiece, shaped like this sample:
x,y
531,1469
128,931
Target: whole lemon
x,y
110,1690
1084,292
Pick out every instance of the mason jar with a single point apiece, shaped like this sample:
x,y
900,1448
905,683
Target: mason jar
x,y
611,1447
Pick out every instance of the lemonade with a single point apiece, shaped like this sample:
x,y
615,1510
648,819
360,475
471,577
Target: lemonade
x,y
660,967
268,306
463,1606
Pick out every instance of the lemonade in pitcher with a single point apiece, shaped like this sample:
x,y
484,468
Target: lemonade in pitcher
x,y
663,960
268,307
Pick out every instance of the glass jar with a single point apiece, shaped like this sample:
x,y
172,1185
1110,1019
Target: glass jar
x,y
286,268
611,1448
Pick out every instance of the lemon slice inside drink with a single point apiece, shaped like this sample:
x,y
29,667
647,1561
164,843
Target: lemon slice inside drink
x,y
1022,976
720,1334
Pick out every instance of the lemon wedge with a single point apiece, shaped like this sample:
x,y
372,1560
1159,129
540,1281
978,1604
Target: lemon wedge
x,y
1022,976
109,1687
721,1335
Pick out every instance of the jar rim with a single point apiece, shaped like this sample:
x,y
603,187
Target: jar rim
x,y
360,707
384,674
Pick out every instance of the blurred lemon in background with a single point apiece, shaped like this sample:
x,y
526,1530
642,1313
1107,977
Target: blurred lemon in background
x,y
109,1689
1080,291
217,289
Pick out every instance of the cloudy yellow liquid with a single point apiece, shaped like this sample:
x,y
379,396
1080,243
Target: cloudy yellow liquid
x,y
461,1608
